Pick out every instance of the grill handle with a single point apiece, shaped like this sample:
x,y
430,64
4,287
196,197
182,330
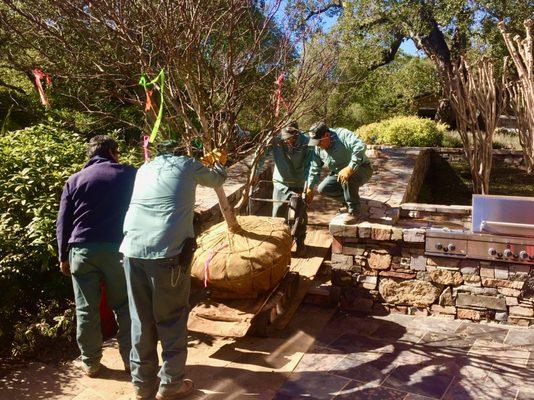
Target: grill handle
x,y
507,228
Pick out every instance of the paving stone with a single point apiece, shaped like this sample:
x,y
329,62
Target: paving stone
x,y
520,338
319,359
430,380
364,366
499,353
488,332
314,385
354,343
369,391
525,394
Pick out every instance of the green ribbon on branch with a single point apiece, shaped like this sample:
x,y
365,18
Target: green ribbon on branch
x,y
143,82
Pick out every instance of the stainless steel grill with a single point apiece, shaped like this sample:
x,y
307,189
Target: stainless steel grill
x,y
502,230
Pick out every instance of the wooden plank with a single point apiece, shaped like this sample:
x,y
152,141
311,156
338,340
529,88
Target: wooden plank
x,y
233,318
318,243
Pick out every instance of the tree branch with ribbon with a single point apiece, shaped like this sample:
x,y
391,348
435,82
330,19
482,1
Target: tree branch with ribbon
x,y
149,87
39,75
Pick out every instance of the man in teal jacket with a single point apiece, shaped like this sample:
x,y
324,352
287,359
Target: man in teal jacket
x,y
292,158
343,152
157,230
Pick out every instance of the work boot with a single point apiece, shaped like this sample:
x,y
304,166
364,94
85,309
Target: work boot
x,y
184,390
351,218
91,370
146,394
301,249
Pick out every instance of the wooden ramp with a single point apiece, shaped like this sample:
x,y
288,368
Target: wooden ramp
x,y
274,310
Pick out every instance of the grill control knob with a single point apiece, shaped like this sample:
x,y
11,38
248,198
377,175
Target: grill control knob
x,y
507,253
451,247
492,252
438,246
523,255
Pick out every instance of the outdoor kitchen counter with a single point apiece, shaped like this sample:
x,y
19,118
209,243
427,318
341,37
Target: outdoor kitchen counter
x,y
382,267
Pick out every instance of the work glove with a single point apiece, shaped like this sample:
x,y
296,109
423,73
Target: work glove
x,y
214,156
309,195
344,175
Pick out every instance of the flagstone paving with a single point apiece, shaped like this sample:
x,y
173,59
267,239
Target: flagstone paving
x,y
325,356
414,358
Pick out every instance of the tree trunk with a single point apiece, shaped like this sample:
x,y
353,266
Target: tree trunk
x,y
227,211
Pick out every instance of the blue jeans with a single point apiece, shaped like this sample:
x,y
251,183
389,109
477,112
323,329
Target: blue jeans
x,y
349,192
89,264
158,291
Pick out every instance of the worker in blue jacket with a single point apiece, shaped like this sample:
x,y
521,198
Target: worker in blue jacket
x,y
343,152
89,231
157,247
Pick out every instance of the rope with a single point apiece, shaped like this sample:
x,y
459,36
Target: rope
x,y
213,251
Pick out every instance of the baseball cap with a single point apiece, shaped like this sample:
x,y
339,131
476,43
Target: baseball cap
x,y
316,132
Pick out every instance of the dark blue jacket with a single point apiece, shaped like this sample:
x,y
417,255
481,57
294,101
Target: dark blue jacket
x,y
94,203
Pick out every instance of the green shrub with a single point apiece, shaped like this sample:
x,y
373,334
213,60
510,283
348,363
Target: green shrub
x,y
34,165
451,139
35,298
408,131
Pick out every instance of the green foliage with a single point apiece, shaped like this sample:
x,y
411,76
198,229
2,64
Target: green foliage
x,y
34,300
404,131
35,164
385,92
51,322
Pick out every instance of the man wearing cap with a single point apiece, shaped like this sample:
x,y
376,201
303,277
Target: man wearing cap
x,y
157,247
343,152
292,158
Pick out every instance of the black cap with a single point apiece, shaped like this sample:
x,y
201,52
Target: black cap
x,y
317,131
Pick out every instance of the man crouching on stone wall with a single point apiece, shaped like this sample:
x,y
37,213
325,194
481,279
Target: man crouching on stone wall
x,y
157,247
343,152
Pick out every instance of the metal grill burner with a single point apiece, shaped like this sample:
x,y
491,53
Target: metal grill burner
x,y
502,229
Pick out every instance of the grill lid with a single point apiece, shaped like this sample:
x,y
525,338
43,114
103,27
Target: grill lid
x,y
503,215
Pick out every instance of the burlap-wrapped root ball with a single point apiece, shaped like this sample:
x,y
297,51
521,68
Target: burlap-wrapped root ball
x,y
243,264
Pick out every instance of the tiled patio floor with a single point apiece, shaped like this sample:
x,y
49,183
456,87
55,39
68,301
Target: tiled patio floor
x,y
414,358
348,357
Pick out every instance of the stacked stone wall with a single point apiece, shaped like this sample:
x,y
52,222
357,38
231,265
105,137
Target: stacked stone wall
x,y
381,268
